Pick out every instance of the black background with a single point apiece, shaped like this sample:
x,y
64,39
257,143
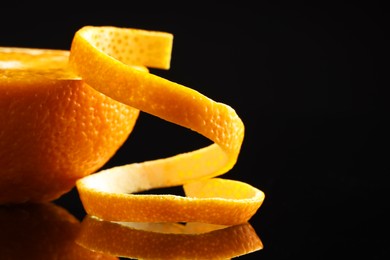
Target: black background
x,y
308,80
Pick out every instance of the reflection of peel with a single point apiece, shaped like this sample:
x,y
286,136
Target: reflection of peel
x,y
168,240
41,231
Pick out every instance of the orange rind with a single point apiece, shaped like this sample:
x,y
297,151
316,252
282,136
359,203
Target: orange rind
x,y
100,56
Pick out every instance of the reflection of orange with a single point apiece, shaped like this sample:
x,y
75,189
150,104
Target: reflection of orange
x,y
41,231
168,240
54,129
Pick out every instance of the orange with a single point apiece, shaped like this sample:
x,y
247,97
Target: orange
x,y
58,131
54,128
42,231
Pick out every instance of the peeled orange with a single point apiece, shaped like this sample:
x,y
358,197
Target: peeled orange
x,y
64,114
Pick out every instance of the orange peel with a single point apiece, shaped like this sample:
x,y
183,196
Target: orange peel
x,y
106,58
168,240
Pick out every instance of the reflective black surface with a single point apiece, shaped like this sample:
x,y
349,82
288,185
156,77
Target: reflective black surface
x,y
308,82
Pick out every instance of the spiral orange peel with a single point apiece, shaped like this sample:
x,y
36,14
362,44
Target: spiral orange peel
x,y
108,59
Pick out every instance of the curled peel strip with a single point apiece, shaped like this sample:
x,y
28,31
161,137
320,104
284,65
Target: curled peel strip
x,y
111,59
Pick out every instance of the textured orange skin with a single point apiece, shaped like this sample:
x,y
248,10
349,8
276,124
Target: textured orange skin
x,y
54,131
